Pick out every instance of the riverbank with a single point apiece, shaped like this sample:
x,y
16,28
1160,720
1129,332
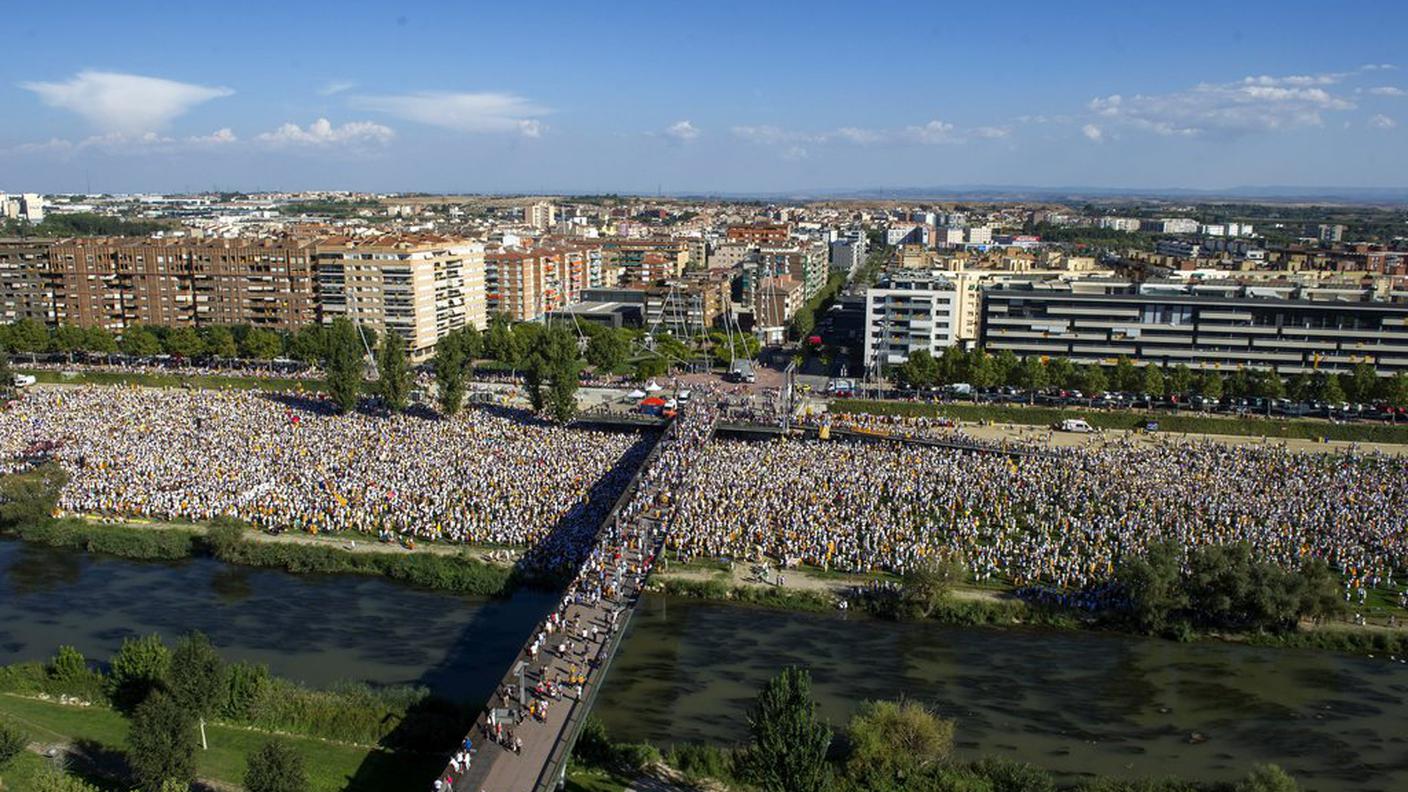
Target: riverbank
x,y
816,591
438,569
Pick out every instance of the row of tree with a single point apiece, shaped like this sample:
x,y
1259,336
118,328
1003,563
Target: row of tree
x,y
981,369
30,337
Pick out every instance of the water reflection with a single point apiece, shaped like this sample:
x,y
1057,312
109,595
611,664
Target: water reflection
x,y
1076,703
317,629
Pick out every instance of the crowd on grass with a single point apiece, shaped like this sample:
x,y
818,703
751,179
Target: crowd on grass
x,y
1061,520
286,462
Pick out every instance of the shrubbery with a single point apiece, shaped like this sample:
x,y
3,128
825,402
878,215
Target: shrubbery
x,y
12,743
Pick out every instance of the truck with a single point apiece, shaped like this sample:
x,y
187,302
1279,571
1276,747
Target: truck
x,y
1078,425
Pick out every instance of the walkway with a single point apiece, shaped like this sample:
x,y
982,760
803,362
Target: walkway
x,y
522,740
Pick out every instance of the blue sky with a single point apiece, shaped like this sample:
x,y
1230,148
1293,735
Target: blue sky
x,y
721,96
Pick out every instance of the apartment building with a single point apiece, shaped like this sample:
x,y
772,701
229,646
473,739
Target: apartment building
x,y
421,287
1209,324
26,282
644,261
777,299
761,233
118,282
906,312
689,305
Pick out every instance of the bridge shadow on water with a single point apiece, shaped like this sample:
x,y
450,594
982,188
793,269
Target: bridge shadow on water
x,y
431,730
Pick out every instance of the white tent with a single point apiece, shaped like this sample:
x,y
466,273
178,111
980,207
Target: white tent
x,y
652,387
636,394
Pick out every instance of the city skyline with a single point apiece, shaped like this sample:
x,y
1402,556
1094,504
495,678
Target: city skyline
x,y
798,99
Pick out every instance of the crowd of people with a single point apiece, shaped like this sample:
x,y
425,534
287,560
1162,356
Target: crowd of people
x,y
283,462
1063,520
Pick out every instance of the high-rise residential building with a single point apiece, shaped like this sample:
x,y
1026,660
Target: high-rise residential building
x,y
906,312
689,305
118,282
775,301
846,256
421,287
26,281
541,215
642,261
32,207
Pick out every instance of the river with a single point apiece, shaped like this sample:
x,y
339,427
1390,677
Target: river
x,y
1073,702
317,629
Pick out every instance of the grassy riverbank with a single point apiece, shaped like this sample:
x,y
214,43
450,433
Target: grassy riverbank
x,y
457,573
1170,422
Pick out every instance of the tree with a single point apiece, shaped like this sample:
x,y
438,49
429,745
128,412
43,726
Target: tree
x,y
1093,380
1180,380
1005,366
184,342
1153,584
891,740
140,341
394,385
925,583
789,745
309,344
261,344
1300,388
1126,376
1153,380
7,374
982,370
29,337
1238,385
1032,374
342,364
1361,383
1062,373
12,743
1330,389
607,349
275,767
920,370
1394,390
501,343
552,361
99,340
220,342
1269,385
952,366
69,339
1210,385
197,678
139,667
450,363
49,778
161,745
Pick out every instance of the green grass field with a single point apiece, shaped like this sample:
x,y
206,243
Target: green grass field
x,y
331,766
1170,422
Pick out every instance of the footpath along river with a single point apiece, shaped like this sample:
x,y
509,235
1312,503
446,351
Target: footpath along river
x,y
1073,702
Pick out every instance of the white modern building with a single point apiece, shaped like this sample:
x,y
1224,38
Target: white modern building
x,y
907,312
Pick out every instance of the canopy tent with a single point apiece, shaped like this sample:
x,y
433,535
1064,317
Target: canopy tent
x,y
652,387
636,394
653,401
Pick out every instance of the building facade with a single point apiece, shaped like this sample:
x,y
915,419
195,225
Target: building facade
x,y
906,312
1203,325
420,287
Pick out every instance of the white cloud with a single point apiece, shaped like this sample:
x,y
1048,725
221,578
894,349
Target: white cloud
x,y
992,132
1382,122
323,133
1093,132
336,87
859,135
931,133
219,137
463,112
1378,67
795,153
1387,90
126,104
1251,105
683,131
774,135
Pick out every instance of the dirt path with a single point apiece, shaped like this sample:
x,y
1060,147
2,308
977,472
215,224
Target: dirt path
x,y
1043,435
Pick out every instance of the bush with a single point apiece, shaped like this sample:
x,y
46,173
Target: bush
x,y
1267,778
12,743
894,739
246,686
275,767
593,747
68,665
52,779
1006,776
161,745
701,762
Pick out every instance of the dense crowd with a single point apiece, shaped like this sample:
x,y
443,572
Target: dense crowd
x,y
284,462
1061,520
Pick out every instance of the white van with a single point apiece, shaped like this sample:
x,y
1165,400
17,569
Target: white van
x,y
24,380
1075,425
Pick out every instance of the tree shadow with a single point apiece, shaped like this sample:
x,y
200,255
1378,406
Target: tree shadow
x,y
434,728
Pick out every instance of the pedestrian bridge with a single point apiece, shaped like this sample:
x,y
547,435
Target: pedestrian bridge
x,y
579,654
